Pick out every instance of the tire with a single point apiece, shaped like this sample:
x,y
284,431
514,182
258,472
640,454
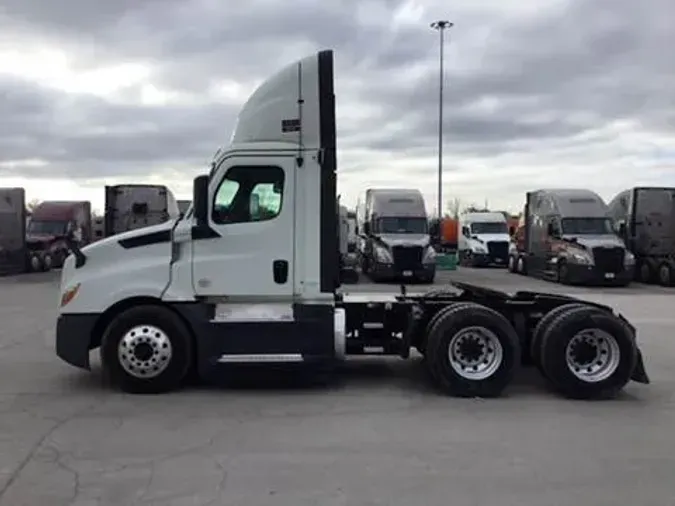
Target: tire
x,y
665,274
472,324
512,264
563,273
521,266
645,273
542,327
610,334
34,263
159,326
427,331
47,262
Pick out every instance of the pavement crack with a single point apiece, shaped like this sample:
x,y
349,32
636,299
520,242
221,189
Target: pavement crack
x,y
33,450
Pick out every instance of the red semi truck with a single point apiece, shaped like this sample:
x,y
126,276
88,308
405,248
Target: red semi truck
x,y
49,226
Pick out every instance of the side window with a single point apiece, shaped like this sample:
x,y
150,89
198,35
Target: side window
x,y
249,193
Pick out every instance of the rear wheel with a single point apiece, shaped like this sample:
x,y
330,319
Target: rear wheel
x,y
472,351
47,262
645,272
147,349
665,274
588,353
521,267
512,264
542,327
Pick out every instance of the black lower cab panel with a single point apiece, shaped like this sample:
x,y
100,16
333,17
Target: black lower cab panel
x,y
308,338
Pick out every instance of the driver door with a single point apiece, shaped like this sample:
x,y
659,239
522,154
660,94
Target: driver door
x,y
253,215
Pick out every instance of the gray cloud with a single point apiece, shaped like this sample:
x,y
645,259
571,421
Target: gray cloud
x,y
517,83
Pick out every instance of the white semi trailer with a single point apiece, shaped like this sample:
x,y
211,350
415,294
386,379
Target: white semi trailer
x,y
228,284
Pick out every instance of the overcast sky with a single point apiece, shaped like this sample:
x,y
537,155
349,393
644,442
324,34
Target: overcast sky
x,y
546,93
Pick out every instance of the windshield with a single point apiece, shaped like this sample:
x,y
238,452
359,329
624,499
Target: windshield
x,y
493,227
47,227
402,225
587,226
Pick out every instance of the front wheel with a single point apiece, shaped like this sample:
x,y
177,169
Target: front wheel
x,y
472,351
147,349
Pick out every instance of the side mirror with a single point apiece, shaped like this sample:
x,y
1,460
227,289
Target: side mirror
x,y
622,228
200,200
366,228
512,231
551,231
466,232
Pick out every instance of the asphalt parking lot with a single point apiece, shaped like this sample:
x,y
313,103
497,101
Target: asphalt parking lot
x,y
379,436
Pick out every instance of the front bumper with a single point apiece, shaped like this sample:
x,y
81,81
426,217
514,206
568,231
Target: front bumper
x,y
74,338
591,275
393,272
485,259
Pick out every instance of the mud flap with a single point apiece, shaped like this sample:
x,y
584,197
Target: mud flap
x,y
639,374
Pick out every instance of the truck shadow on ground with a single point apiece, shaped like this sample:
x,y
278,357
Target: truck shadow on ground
x,y
367,375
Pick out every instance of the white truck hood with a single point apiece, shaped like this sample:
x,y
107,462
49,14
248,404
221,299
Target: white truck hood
x,y
113,240
113,272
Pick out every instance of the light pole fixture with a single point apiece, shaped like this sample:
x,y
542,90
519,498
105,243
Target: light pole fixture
x,y
440,26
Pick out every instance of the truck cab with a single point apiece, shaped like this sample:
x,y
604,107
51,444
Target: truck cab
x,y
50,224
644,217
569,238
264,277
397,241
484,239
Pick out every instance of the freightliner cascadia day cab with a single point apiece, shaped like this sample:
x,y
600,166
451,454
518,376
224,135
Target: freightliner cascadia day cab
x,y
483,239
568,238
228,284
397,244
645,219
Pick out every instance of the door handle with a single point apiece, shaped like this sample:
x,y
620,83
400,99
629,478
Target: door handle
x,y
280,271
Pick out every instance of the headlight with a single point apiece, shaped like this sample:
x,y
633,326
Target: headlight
x,y
629,258
581,258
69,294
429,255
382,255
478,248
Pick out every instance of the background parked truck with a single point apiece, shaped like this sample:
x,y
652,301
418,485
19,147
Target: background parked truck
x,y
132,206
483,239
567,236
50,224
395,242
12,231
645,219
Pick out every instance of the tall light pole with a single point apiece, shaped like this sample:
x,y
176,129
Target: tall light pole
x,y
440,25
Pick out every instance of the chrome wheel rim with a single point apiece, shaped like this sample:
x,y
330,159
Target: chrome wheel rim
x,y
475,353
144,351
593,355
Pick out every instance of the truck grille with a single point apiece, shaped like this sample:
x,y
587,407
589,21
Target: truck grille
x,y
498,249
407,257
609,259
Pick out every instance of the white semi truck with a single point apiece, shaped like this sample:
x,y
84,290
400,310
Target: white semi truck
x,y
483,239
231,283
